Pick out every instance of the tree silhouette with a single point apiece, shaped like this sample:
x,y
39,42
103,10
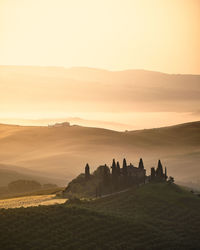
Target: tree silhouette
x,y
159,171
141,165
124,169
153,173
114,168
118,169
87,171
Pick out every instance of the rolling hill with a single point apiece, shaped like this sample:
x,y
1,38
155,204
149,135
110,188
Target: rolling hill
x,y
9,173
129,90
154,216
62,152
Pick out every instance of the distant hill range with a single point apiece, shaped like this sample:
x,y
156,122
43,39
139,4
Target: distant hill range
x,y
60,153
72,120
82,89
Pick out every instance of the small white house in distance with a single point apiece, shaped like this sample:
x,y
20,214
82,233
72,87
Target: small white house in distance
x,y
61,124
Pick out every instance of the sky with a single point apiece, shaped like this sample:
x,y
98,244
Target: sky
x,y
160,35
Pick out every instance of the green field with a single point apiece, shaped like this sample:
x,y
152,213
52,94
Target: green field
x,y
154,216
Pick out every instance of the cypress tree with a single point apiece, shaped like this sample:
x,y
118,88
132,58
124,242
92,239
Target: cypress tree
x,y
125,171
118,168
141,165
114,167
159,172
153,174
87,171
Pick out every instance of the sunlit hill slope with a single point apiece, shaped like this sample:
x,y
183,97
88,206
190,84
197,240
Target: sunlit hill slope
x,y
62,152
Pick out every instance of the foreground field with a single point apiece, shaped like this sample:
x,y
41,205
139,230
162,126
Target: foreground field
x,y
154,216
5,194
30,201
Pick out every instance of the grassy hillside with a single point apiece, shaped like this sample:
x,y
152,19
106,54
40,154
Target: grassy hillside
x,y
155,216
62,152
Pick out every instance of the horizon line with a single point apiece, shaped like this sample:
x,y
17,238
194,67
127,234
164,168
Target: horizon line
x,y
120,131
96,68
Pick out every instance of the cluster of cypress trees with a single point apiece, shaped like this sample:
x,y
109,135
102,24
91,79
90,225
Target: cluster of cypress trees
x,y
116,178
158,174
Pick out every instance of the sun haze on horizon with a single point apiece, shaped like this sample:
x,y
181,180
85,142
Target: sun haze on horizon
x,y
112,34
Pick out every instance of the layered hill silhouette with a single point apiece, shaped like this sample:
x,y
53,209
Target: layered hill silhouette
x,y
62,152
9,173
73,121
60,89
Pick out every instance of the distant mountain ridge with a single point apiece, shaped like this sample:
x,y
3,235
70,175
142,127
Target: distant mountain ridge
x,y
85,89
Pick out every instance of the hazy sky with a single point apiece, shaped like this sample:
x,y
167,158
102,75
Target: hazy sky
x,y
162,35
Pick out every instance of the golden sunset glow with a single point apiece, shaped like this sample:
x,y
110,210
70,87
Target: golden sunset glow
x,y
99,124
89,45
111,34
